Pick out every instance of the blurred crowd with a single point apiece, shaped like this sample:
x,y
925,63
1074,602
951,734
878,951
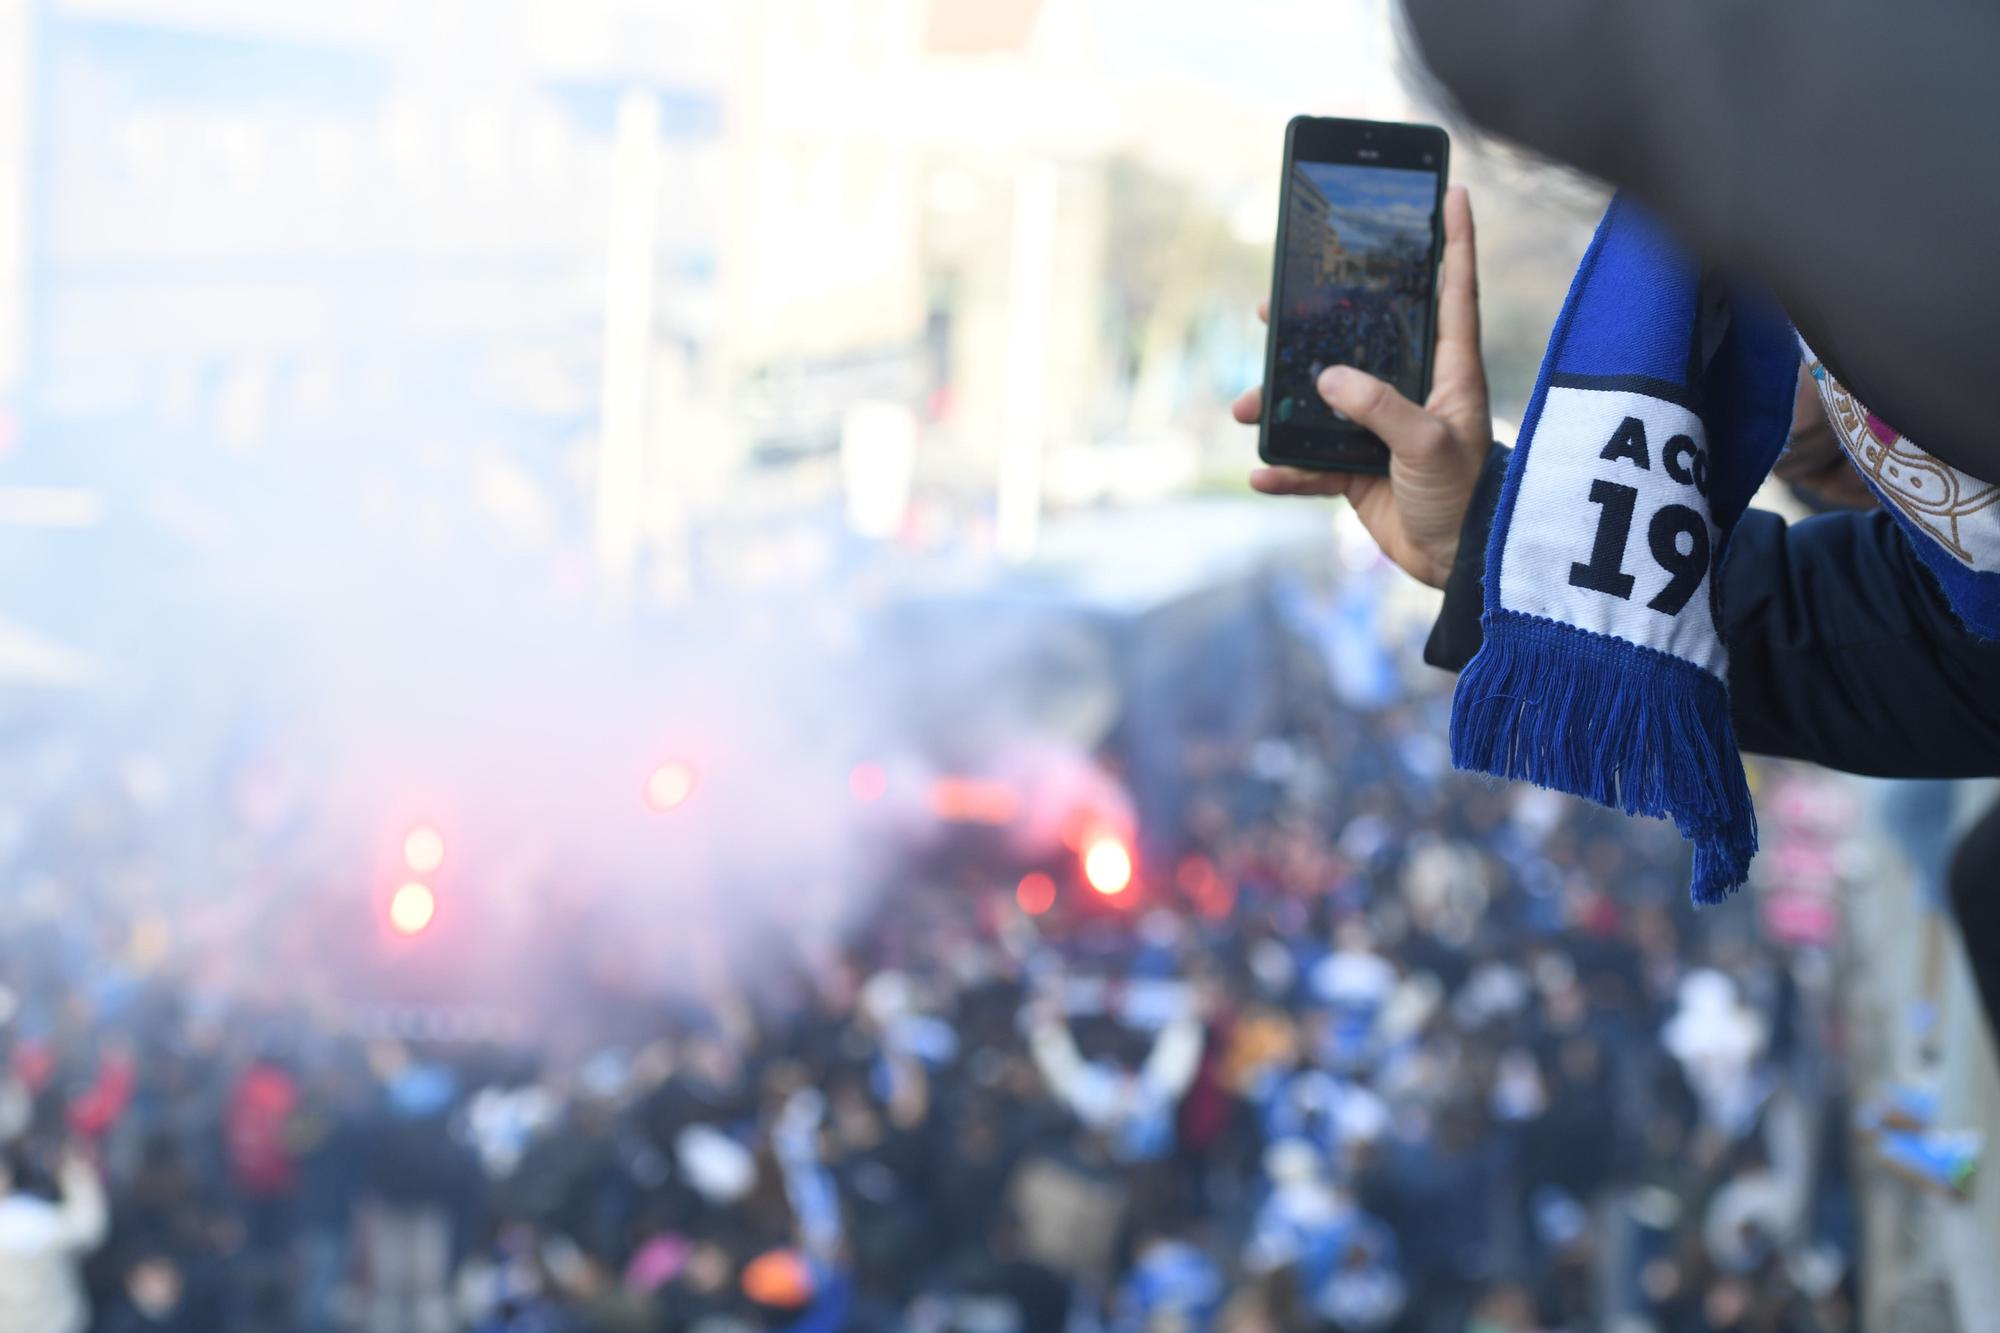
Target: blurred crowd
x,y
1384,1048
1367,326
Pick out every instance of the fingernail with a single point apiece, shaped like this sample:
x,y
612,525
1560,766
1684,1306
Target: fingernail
x,y
1336,380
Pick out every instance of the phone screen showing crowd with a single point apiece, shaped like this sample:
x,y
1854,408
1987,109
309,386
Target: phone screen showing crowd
x,y
1356,282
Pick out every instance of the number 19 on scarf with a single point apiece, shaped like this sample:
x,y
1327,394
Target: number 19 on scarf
x,y
1677,535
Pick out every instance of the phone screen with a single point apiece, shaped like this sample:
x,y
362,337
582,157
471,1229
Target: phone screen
x,y
1356,273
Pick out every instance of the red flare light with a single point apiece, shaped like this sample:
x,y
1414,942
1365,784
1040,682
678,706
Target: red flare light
x,y
1107,865
670,785
1035,894
423,849
412,909
959,800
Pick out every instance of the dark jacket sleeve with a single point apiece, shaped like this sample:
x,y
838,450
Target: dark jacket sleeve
x,y
1834,149
1842,648
1455,638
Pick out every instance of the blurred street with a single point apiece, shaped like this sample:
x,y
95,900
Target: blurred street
x,y
642,693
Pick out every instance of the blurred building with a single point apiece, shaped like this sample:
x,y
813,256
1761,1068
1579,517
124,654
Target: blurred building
x,y
345,259
617,288
15,94
1312,246
916,220
926,196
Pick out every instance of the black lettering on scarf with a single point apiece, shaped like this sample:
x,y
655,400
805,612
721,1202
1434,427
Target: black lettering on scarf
x,y
1606,571
1686,462
1685,568
1629,441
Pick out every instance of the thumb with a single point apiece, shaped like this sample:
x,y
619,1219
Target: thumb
x,y
1411,433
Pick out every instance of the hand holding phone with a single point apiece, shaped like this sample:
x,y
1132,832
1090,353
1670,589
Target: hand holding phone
x,y
1435,451
1353,282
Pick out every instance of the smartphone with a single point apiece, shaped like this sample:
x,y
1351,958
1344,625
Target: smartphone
x,y
1360,234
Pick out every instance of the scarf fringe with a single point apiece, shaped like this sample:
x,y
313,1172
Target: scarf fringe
x,y
1635,729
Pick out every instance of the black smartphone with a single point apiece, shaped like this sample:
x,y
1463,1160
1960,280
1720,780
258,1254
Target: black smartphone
x,y
1360,234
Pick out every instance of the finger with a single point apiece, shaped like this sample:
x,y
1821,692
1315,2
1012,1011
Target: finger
x,y
1298,481
1292,481
1458,295
1249,406
1264,311
1408,430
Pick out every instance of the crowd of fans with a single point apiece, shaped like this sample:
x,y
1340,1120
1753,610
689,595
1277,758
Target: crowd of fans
x,y
1386,1049
1377,327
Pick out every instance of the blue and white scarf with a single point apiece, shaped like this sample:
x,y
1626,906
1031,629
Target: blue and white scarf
x,y
1658,412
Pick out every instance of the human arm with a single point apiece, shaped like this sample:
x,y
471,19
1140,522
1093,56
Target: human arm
x,y
1842,648
1843,651
1056,1056
1174,1060
82,1214
809,1185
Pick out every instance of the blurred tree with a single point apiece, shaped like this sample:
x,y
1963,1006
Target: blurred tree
x,y
1172,264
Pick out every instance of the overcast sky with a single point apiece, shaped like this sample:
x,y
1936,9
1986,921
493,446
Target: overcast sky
x,y
1294,54
1376,206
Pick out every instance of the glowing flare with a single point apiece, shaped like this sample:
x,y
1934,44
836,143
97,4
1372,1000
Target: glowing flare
x,y
423,849
960,800
412,908
1107,865
1035,894
670,785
